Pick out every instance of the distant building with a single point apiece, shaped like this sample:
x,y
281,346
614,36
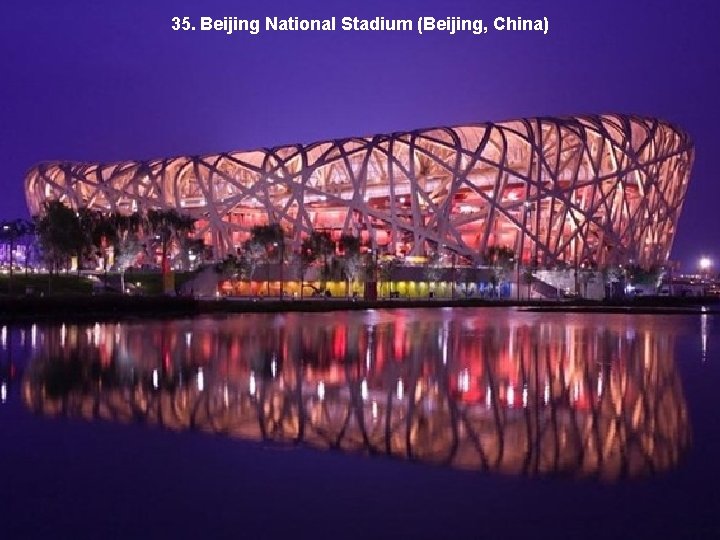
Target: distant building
x,y
687,286
593,190
25,252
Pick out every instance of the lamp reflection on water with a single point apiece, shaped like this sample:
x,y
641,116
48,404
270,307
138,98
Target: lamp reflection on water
x,y
530,397
703,335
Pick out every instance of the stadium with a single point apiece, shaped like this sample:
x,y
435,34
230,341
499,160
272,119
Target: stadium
x,y
597,189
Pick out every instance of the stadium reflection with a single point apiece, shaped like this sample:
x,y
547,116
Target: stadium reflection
x,y
520,394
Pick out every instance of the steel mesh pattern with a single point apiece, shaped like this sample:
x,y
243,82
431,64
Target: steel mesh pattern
x,y
596,189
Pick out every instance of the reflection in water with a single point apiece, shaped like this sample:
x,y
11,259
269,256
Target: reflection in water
x,y
703,336
9,372
517,393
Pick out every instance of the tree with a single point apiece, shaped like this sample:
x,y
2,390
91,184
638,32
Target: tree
x,y
265,239
350,248
31,245
306,259
584,277
97,229
267,235
60,234
637,275
501,260
324,247
499,257
191,250
229,266
433,270
233,267
251,255
317,245
466,276
528,278
386,269
168,226
126,241
10,231
613,278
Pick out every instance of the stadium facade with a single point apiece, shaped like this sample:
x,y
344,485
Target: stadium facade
x,y
588,189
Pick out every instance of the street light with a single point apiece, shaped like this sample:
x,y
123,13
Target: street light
x,y
452,290
282,263
10,232
371,291
705,264
527,207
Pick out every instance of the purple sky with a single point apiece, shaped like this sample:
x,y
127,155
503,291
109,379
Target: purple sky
x,y
99,81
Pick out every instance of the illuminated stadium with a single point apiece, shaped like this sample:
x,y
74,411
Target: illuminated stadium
x,y
588,189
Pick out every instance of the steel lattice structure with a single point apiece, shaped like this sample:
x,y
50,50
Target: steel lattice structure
x,y
598,189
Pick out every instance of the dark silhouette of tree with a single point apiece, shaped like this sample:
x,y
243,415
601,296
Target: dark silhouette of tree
x,y
127,241
168,227
189,248
528,277
501,260
60,234
306,259
267,241
386,268
318,245
350,247
499,257
97,231
252,255
433,270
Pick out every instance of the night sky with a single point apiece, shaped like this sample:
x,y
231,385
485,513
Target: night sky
x,y
95,80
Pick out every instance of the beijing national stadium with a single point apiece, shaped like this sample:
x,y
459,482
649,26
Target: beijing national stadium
x,y
595,189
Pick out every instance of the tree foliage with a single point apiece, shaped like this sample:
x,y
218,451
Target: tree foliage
x,y
433,269
60,234
317,246
501,260
501,257
64,232
267,235
350,248
127,239
386,268
168,226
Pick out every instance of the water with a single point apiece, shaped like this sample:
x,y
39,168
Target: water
x,y
462,423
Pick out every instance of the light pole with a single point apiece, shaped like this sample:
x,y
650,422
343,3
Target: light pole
x,y
705,265
6,232
282,264
372,276
376,272
452,290
527,205
10,231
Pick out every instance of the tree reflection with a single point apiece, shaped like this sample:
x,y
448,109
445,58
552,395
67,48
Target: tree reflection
x,y
518,396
